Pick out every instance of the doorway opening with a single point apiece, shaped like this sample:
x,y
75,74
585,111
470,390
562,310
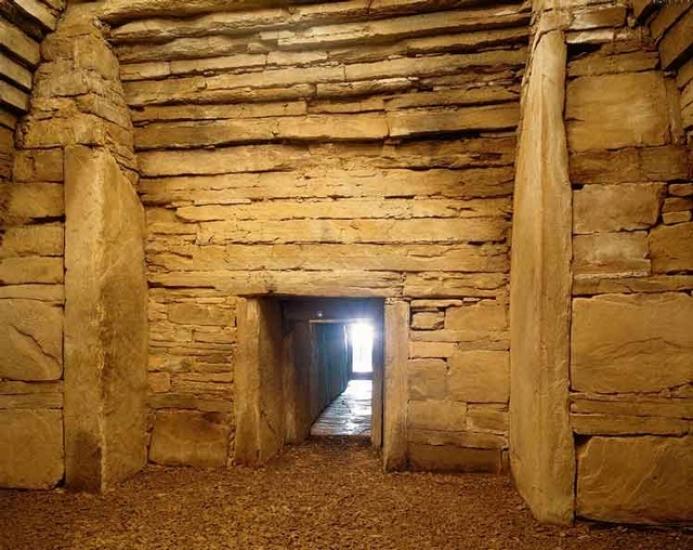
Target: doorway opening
x,y
296,356
350,413
335,367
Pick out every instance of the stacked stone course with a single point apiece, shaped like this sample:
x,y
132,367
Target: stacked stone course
x,y
361,150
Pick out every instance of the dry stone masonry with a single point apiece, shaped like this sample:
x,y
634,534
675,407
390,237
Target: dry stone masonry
x,y
355,151
169,171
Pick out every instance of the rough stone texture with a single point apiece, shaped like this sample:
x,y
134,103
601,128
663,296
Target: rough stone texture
x,y
105,323
260,416
31,339
622,254
671,248
605,208
268,168
480,376
635,479
620,342
32,448
395,385
541,446
612,111
190,438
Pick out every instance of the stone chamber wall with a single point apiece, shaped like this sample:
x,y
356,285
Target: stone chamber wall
x,y
632,308
626,366
74,156
354,149
31,266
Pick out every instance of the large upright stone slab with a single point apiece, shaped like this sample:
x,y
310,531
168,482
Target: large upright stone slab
x,y
105,323
395,385
541,442
260,414
643,479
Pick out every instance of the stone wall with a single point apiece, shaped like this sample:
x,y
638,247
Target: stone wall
x,y
23,26
632,313
629,376
348,149
31,267
76,101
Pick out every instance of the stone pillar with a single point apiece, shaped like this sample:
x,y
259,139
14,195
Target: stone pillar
x,y
105,322
541,444
395,382
260,416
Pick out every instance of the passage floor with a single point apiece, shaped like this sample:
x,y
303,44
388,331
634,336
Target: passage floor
x,y
349,414
325,494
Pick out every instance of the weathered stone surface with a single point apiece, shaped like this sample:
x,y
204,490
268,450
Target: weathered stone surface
x,y
480,376
451,458
33,240
395,386
31,338
31,269
541,441
14,40
670,248
484,418
447,416
44,293
407,123
653,488
426,379
618,110
623,254
189,438
620,342
605,208
26,201
483,315
597,424
105,323
428,320
38,166
32,448
32,401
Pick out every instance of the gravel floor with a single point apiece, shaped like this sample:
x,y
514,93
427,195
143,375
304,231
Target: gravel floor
x,y
318,495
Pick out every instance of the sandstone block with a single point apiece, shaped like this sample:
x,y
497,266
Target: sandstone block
x,y
189,438
45,165
456,459
635,479
480,376
447,416
483,315
428,320
200,314
670,248
485,418
631,343
25,201
624,254
631,164
31,338
617,110
32,448
33,240
671,218
31,269
431,349
606,208
427,379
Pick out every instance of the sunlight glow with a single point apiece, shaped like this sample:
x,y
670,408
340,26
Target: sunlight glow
x,y
362,334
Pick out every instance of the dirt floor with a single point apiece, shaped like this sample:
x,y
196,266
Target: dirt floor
x,y
318,495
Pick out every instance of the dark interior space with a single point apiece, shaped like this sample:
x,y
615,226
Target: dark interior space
x,y
336,351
